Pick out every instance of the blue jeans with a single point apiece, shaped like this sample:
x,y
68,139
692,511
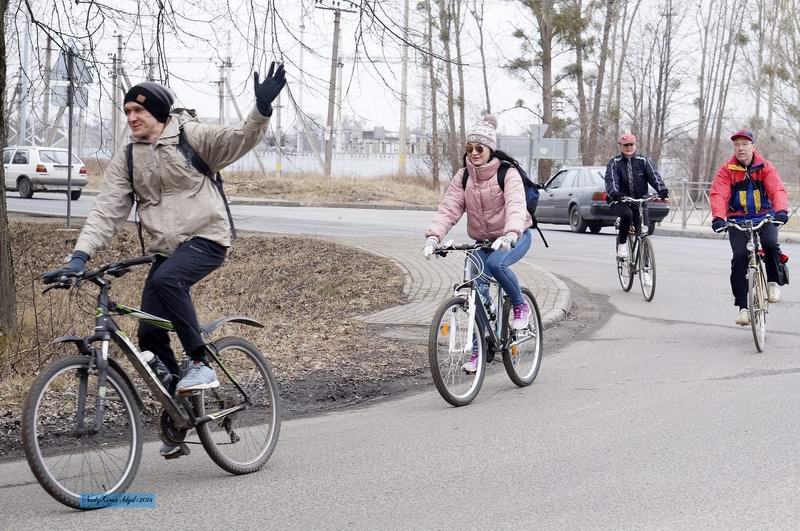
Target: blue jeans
x,y
497,264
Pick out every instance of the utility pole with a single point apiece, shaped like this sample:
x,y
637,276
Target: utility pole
x,y
221,83
339,67
114,99
337,12
404,95
278,136
22,113
48,53
300,117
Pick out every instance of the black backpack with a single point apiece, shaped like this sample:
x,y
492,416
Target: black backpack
x,y
199,164
531,190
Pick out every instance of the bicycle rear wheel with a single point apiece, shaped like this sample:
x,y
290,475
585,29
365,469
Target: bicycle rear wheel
x,y
524,357
66,454
625,267
647,269
449,349
241,442
757,304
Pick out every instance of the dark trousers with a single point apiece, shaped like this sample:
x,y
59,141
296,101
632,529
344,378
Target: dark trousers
x,y
627,215
740,261
167,295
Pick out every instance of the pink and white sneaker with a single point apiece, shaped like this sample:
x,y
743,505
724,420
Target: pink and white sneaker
x,y
521,315
471,367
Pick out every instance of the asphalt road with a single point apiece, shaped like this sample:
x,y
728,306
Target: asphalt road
x,y
664,417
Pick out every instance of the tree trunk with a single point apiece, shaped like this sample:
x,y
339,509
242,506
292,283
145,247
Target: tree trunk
x,y
8,295
458,24
453,151
477,14
598,88
434,114
583,115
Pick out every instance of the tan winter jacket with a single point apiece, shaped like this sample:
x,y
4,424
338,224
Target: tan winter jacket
x,y
176,202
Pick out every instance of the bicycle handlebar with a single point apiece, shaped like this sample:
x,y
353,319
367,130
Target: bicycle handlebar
x,y
746,226
442,250
115,269
647,199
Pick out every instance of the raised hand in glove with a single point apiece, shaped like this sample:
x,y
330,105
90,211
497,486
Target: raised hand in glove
x,y
430,245
663,194
267,91
77,264
719,225
781,216
504,243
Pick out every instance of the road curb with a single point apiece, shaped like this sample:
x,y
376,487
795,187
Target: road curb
x,y
783,237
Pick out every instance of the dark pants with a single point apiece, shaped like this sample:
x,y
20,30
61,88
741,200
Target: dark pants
x,y
740,261
628,215
167,295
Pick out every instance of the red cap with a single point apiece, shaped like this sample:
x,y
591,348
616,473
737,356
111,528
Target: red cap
x,y
743,133
627,138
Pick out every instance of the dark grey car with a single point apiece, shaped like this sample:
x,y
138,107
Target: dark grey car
x,y
576,196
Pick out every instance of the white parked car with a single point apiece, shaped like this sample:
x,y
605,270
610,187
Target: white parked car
x,y
31,169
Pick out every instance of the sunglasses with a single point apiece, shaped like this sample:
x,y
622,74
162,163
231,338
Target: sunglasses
x,y
628,145
477,148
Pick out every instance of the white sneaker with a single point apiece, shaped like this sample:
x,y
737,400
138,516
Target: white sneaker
x,y
773,292
744,317
622,250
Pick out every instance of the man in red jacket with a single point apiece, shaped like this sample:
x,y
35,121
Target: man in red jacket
x,y
749,187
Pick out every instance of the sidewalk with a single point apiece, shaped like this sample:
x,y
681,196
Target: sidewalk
x,y
429,282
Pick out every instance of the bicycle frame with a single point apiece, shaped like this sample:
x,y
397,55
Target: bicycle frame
x,y
639,233
107,330
499,340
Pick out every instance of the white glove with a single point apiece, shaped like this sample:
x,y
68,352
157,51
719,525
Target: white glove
x,y
430,244
504,243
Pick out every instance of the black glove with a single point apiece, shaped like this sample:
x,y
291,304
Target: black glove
x,y
781,216
267,91
719,225
76,265
663,194
615,196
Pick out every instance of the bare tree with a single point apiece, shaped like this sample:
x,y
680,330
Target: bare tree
x,y
536,63
477,8
458,25
8,295
720,33
429,59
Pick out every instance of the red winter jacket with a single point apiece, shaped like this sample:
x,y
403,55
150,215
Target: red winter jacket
x,y
733,195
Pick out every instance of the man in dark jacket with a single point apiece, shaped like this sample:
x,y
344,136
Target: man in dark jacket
x,y
627,175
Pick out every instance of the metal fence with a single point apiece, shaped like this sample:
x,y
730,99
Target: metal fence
x,y
690,203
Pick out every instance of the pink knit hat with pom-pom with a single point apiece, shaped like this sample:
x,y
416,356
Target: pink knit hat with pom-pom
x,y
484,132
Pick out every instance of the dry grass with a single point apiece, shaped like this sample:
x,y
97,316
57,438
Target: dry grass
x,y
314,188
306,291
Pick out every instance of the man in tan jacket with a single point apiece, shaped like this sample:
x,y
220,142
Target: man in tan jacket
x,y
180,209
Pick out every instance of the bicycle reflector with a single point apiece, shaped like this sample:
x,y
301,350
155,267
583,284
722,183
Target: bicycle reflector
x,y
784,258
445,328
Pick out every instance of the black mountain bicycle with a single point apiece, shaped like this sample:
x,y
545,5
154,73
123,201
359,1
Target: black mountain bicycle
x,y
81,424
757,292
641,258
468,323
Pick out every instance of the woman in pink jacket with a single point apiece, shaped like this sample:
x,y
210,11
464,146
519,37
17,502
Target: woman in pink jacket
x,y
495,214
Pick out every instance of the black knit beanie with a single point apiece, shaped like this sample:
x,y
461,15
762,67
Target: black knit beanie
x,y
154,97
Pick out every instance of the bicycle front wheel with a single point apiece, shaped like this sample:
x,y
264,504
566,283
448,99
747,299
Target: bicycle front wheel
x,y
757,304
240,442
647,269
450,347
71,455
523,357
625,267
